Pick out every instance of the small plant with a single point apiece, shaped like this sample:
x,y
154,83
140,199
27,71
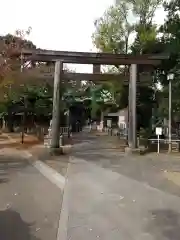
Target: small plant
x,y
144,133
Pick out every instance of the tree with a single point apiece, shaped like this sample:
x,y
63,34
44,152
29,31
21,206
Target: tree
x,y
113,33
170,31
11,66
146,31
113,30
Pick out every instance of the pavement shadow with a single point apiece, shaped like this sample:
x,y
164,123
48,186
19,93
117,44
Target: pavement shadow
x,y
140,168
13,227
165,225
9,164
4,180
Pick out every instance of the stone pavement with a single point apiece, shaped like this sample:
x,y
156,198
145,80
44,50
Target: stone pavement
x,y
103,204
107,196
29,204
160,172
110,195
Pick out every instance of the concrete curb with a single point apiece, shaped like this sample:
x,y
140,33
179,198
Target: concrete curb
x,y
61,182
64,215
48,172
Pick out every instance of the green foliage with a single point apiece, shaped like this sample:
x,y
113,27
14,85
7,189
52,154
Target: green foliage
x,y
113,30
3,109
113,33
144,10
145,40
127,27
43,107
170,31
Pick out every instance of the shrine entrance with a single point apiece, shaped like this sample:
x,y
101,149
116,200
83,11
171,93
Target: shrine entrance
x,y
138,72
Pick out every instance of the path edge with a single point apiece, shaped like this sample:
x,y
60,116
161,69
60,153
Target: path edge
x,y
64,216
52,175
61,182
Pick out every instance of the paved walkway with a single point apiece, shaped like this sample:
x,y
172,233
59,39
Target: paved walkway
x,y
29,204
107,205
159,171
107,196
111,196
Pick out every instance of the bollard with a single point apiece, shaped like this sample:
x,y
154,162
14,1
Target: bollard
x,y
69,133
111,131
61,140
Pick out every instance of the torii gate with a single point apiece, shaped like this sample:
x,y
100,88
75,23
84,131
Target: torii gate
x,y
96,59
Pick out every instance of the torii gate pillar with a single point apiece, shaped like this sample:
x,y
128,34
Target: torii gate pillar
x,y
132,129
56,104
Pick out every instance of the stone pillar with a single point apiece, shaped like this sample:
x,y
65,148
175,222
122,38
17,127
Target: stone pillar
x,y
56,104
132,107
3,124
130,116
101,125
97,69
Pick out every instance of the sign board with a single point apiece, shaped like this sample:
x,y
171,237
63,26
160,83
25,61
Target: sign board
x,y
109,123
122,125
158,131
121,118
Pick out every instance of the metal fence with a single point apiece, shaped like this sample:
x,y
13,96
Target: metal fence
x,y
122,133
65,131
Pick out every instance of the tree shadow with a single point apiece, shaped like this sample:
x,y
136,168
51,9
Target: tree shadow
x,y
13,227
4,180
164,225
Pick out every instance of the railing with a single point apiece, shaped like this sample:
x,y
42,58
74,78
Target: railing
x,y
164,144
40,131
166,141
116,132
65,131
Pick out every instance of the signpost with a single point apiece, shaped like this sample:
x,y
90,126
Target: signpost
x,y
158,133
109,123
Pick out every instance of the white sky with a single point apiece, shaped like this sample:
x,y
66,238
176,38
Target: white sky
x,y
56,24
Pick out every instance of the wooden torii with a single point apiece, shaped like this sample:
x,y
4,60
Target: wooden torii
x,y
96,59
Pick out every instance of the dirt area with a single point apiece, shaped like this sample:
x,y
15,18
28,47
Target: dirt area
x,y
13,140
10,145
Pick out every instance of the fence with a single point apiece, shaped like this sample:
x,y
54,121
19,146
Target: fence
x,y
41,131
122,132
164,145
65,131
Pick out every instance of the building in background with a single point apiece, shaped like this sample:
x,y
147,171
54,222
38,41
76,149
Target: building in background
x,y
121,118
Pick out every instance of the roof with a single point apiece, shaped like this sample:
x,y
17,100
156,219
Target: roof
x,y
113,114
118,113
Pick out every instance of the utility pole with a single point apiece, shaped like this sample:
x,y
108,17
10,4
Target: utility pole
x,y
170,77
56,104
24,118
170,117
129,116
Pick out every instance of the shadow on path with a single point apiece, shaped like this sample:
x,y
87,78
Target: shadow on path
x,y
165,224
149,170
13,227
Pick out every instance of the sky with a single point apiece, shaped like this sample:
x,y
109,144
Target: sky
x,y
57,24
